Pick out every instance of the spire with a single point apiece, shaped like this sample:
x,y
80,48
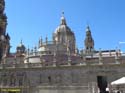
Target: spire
x,y
35,50
21,42
87,28
27,52
46,40
7,36
88,32
63,21
40,41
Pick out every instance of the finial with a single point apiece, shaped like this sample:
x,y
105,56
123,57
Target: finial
x,y
28,48
63,21
46,39
35,48
87,28
21,41
62,13
8,37
40,40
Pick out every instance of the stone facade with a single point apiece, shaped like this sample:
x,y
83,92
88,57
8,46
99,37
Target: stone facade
x,y
62,79
57,66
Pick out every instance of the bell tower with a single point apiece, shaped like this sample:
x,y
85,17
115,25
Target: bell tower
x,y
4,38
89,42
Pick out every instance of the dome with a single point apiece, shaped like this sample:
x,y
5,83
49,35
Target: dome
x,y
64,35
63,28
21,47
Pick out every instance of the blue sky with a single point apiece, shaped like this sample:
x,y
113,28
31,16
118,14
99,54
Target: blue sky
x,y
30,19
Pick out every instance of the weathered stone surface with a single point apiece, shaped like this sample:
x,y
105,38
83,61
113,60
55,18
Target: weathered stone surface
x,y
64,79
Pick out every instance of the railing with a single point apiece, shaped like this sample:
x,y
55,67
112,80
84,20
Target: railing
x,y
54,64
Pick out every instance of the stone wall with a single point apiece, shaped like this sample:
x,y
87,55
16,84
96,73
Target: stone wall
x,y
62,79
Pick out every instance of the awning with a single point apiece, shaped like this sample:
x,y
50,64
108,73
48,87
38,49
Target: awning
x,y
119,81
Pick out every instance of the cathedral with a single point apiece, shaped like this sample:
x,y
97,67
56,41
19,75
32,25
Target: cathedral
x,y
57,66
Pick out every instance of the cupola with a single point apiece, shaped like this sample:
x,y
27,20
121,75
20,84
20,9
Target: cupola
x,y
21,48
